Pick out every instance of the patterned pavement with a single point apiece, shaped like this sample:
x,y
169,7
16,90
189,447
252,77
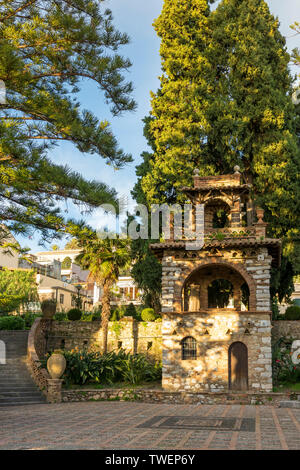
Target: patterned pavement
x,y
128,425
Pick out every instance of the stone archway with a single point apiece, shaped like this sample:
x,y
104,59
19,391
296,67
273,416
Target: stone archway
x,y
187,274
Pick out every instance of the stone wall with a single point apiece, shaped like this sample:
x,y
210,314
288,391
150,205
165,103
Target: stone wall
x,y
214,333
161,396
285,329
253,264
35,350
142,337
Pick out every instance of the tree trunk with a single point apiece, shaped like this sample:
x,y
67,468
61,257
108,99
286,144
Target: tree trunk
x,y
105,313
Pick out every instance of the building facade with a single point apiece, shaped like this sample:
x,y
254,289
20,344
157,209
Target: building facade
x,y
216,325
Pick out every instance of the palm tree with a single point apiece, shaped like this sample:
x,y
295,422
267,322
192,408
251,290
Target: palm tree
x,y
104,259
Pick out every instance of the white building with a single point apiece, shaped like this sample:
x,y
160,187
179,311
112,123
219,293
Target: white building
x,y
9,258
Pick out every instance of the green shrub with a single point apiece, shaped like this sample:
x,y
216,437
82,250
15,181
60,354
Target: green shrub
x,y
29,319
74,314
117,312
12,323
97,315
84,367
114,316
148,314
284,370
60,316
292,313
87,316
131,311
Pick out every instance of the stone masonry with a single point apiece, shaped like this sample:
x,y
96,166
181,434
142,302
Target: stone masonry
x,y
231,344
214,333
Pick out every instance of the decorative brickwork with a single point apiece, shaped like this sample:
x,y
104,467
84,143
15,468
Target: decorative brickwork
x,y
54,394
36,339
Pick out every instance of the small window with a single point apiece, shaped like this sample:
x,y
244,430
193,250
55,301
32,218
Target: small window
x,y
119,344
149,345
61,298
189,348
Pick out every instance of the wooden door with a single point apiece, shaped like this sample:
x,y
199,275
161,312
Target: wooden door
x,y
238,366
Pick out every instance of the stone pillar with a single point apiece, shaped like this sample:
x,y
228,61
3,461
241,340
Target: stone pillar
x,y
194,300
204,295
54,390
237,297
236,214
260,226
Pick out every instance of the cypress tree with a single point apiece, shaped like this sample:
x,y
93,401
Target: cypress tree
x,y
225,99
253,119
178,124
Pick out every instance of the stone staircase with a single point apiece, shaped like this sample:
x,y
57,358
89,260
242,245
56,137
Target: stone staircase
x,y
16,384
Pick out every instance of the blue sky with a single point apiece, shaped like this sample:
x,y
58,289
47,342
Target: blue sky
x,y
135,17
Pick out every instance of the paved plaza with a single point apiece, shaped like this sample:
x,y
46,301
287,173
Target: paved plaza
x,y
128,425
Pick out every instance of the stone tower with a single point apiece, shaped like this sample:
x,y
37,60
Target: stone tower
x,y
216,299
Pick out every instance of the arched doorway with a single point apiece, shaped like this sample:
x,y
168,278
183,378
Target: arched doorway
x,y
238,366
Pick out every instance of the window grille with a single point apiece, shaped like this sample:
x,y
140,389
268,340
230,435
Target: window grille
x,y
189,348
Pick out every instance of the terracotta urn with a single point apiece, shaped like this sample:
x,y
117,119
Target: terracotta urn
x,y
56,365
260,214
48,308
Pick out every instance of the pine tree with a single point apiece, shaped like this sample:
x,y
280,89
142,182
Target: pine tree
x,y
47,47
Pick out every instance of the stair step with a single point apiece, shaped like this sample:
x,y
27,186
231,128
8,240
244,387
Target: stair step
x,y
16,392
25,403
14,378
21,397
27,398
18,389
290,404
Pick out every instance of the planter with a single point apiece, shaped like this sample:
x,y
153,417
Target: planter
x,y
260,215
56,365
48,308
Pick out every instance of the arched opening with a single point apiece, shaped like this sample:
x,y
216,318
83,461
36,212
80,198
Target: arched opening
x,y
216,286
238,366
216,214
220,294
188,348
245,296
